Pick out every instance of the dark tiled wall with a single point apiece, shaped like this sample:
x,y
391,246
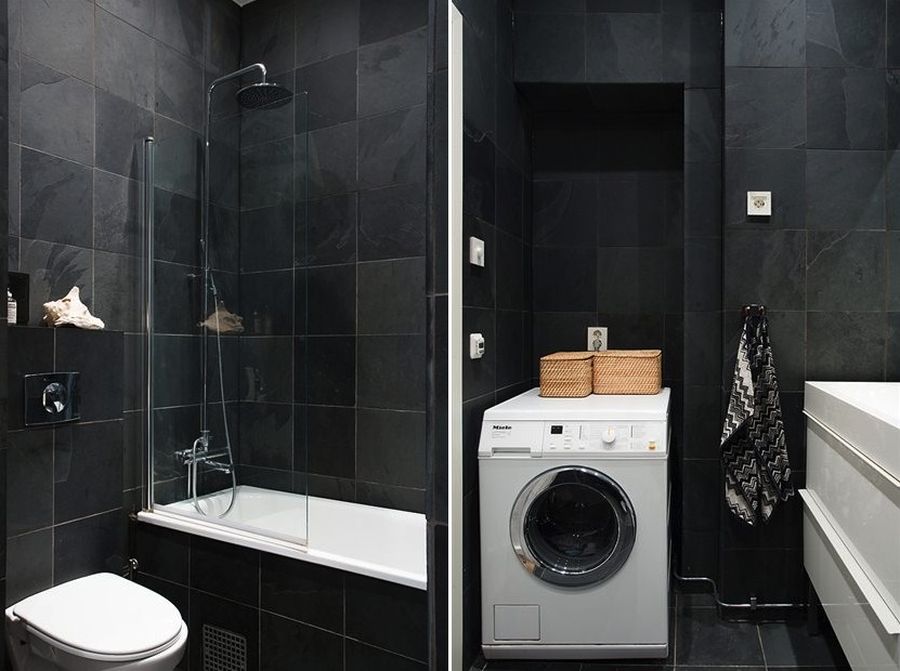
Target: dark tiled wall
x,y
608,231
359,256
4,214
496,298
674,42
69,488
812,112
292,614
89,80
437,344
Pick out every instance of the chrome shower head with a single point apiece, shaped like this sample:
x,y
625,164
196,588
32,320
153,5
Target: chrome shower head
x,y
263,94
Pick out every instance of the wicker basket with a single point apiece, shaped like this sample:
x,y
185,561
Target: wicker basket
x,y
567,374
625,371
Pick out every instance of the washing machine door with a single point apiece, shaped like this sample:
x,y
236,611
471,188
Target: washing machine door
x,y
572,526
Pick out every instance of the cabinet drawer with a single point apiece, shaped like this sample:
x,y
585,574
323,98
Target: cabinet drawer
x,y
861,503
866,629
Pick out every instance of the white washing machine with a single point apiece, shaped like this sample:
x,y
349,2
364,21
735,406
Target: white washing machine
x,y
574,497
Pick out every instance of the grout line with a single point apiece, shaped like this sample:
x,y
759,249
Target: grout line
x,y
675,626
762,648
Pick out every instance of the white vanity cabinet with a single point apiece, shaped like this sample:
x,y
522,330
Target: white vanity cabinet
x,y
851,525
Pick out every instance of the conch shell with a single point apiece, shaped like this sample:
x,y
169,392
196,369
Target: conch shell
x,y
223,321
70,311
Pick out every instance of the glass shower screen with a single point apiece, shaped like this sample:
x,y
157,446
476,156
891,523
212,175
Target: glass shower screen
x,y
225,298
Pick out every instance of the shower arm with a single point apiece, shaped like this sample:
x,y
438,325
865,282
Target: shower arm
x,y
259,67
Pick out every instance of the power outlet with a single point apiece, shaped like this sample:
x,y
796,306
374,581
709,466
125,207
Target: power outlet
x,y
597,338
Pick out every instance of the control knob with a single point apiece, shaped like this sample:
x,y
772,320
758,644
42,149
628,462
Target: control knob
x,y
609,436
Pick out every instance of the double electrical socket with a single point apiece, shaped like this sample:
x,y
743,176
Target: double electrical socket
x,y
597,338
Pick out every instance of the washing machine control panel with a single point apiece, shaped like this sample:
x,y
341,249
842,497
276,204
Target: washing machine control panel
x,y
603,437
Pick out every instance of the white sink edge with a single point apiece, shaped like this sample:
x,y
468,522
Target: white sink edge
x,y
887,409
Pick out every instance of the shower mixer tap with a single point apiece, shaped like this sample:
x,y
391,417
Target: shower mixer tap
x,y
199,453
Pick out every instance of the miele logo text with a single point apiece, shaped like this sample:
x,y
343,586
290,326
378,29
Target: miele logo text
x,y
504,427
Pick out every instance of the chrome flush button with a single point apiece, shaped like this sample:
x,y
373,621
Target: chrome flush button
x,y
51,398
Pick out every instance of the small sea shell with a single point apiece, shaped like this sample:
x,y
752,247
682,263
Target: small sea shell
x,y
223,321
70,311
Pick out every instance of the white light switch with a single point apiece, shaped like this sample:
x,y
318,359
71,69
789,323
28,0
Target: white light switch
x,y
759,203
476,345
476,251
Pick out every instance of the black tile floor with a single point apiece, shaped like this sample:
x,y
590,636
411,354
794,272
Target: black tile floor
x,y
703,640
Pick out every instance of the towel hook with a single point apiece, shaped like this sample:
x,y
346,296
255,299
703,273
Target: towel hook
x,y
758,308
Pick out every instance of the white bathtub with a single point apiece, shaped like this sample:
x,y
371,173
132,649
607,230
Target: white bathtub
x,y
377,542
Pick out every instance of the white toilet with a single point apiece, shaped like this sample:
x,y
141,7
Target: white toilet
x,y
97,623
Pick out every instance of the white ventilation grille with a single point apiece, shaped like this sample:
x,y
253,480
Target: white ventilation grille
x,y
223,650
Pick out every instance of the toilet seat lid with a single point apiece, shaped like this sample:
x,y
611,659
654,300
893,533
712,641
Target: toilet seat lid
x,y
102,616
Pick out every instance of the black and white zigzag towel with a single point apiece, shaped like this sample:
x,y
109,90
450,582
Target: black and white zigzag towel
x,y
757,472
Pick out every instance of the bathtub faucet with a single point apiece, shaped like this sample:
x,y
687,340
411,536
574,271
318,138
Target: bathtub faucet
x,y
219,466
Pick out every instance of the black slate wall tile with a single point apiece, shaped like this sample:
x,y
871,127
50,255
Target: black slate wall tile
x,y
29,564
56,112
892,105
765,33
179,87
322,605
60,34
858,177
121,65
765,267
283,642
550,47
845,346
29,462
90,545
479,80
391,222
765,107
331,441
392,73
390,372
382,20
56,199
360,657
226,570
180,25
402,625
116,213
325,28
842,269
845,108
691,50
392,148
390,297
390,447
87,468
623,47
332,86
841,33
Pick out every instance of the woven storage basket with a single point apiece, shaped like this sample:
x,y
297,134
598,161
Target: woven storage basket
x,y
567,374
624,371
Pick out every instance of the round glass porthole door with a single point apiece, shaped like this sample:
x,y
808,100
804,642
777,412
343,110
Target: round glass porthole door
x,y
572,526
